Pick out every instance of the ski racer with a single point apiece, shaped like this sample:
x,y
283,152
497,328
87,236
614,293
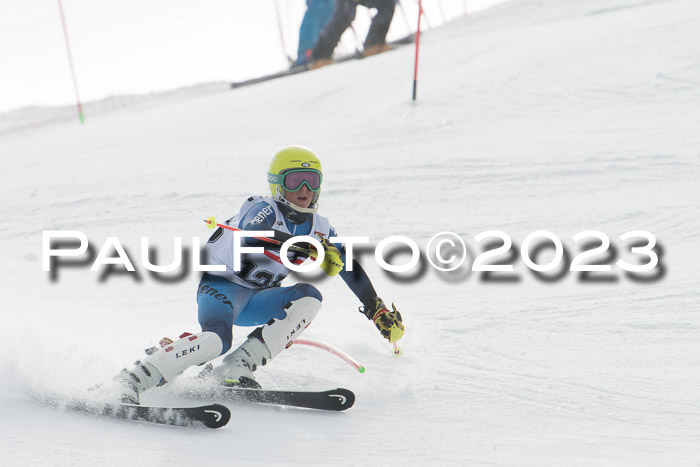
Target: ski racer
x,y
342,18
318,13
252,295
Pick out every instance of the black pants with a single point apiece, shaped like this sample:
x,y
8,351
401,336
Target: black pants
x,y
344,15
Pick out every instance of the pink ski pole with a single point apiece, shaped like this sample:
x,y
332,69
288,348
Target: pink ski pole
x,y
333,350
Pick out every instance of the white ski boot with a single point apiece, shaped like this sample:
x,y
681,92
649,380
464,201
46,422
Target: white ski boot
x,y
132,383
238,367
265,343
164,364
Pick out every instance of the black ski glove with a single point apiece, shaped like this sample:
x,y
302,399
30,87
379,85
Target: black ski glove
x,y
388,322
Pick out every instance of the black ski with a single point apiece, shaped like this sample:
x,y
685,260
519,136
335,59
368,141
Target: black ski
x,y
280,74
335,399
212,416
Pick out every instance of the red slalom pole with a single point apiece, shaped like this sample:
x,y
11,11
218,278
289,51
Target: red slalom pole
x,y
70,62
415,67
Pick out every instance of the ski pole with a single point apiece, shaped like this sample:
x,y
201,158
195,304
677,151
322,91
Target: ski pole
x,y
331,349
290,62
211,223
358,42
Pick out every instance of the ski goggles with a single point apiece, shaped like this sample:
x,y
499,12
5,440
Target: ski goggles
x,y
294,179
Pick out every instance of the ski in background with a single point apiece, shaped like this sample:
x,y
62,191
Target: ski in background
x,y
302,68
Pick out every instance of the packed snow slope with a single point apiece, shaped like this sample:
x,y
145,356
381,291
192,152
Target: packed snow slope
x,y
559,115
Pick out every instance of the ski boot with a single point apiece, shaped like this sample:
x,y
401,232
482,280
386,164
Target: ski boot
x,y
238,367
164,364
265,343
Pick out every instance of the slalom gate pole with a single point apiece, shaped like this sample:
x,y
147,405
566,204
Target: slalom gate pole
x,y
329,348
211,223
70,63
423,13
415,67
281,31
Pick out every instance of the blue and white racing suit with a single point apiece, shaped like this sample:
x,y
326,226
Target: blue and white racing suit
x,y
253,296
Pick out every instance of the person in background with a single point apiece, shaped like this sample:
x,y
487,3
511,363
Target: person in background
x,y
318,13
342,18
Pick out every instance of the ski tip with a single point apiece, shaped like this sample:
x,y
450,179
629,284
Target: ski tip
x,y
344,398
214,415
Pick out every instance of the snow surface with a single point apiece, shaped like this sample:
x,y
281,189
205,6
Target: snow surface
x,y
559,115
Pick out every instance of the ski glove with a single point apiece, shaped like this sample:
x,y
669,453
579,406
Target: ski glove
x,y
388,322
332,263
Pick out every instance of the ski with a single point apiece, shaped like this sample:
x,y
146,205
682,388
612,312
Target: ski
x,y
303,68
334,399
212,416
280,74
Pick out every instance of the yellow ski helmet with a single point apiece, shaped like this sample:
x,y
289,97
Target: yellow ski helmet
x,y
292,167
